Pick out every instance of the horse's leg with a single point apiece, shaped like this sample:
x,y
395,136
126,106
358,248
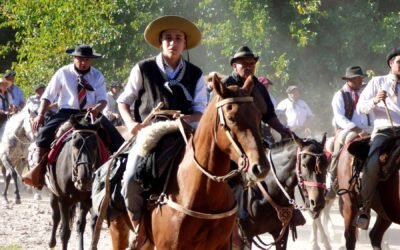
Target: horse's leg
x,y
81,222
14,175
349,213
377,232
65,232
119,231
314,233
283,243
4,194
56,220
7,179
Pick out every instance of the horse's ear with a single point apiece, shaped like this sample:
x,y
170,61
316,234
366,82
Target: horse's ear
x,y
297,139
323,141
219,87
73,121
248,84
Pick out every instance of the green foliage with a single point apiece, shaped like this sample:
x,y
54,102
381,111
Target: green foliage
x,y
303,42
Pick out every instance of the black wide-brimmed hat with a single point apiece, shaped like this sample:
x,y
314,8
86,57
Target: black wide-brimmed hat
x,y
154,29
243,51
83,51
394,52
353,71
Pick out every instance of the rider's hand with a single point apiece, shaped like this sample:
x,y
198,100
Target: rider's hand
x,y
95,110
134,127
380,96
37,122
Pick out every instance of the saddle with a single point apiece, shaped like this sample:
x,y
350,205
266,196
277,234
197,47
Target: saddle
x,y
159,146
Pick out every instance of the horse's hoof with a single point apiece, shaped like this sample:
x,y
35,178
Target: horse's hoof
x,y
37,197
17,201
5,200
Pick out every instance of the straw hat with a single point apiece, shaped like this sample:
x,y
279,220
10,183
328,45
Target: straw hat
x,y
154,29
5,81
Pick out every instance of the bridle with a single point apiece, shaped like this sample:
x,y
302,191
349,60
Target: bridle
x,y
164,199
243,159
317,169
77,161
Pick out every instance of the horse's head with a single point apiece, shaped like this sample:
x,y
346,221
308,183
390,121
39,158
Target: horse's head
x,y
85,153
237,128
311,170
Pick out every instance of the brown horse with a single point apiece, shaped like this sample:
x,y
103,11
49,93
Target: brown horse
x,y
199,209
387,198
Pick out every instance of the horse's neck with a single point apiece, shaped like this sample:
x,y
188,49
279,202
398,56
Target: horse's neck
x,y
194,185
284,165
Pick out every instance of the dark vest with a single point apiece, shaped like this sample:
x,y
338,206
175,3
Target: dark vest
x,y
349,107
233,80
153,90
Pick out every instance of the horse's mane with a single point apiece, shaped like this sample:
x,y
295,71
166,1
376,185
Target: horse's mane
x,y
280,145
14,123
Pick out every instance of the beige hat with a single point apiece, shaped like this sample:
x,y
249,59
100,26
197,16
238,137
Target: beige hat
x,y
154,29
5,81
291,88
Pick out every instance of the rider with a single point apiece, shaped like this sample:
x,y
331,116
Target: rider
x,y
297,112
16,92
167,78
348,123
111,110
381,98
77,87
243,64
6,106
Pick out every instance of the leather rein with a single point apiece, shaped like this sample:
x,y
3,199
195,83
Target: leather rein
x,y
243,166
285,213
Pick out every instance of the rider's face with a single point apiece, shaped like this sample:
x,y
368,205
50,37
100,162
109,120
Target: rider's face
x,y
82,63
244,67
395,65
173,42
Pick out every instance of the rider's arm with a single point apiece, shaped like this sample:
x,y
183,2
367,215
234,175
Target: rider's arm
x,y
39,119
131,124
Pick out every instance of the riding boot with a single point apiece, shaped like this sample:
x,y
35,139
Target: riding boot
x,y
35,176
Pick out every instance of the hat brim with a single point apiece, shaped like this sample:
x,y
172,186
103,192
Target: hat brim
x,y
233,59
72,52
154,29
353,76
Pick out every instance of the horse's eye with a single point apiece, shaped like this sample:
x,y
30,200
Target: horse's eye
x,y
229,107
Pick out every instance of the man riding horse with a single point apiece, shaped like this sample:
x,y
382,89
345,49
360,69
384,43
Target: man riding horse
x,y
243,64
380,97
348,123
166,78
77,88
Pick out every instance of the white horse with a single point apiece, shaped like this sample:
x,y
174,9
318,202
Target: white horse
x,y
16,136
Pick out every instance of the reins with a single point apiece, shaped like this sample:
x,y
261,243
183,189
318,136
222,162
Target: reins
x,y
164,199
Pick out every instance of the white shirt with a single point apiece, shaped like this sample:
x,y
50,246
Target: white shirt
x,y
297,112
64,85
135,84
339,118
112,105
366,105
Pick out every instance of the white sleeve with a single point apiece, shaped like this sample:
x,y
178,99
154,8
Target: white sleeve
x,y
339,112
200,96
132,88
365,103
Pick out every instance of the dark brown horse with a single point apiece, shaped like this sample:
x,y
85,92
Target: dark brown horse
x,y
294,162
70,179
199,208
387,197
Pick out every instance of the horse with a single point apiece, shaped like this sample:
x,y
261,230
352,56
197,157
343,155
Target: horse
x,y
70,178
387,197
322,229
198,209
270,206
17,137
